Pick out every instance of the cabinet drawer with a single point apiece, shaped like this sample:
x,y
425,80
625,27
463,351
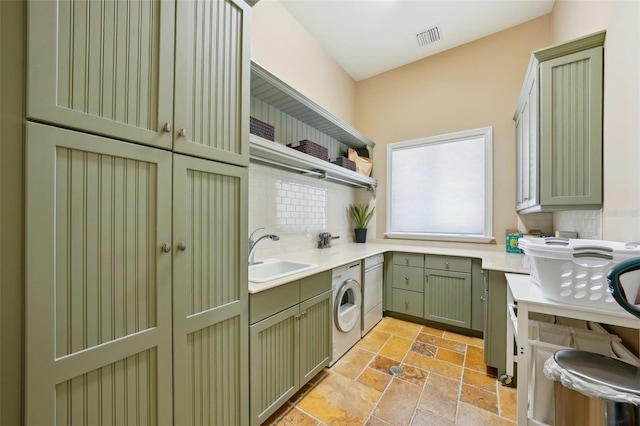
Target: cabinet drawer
x,y
408,259
272,301
408,278
407,302
448,263
314,285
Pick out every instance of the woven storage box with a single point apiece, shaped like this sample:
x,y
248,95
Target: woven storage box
x,y
260,128
574,271
344,162
311,148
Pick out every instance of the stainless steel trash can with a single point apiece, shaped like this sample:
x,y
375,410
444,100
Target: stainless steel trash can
x,y
573,408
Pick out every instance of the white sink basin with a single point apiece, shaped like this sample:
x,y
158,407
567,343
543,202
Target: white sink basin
x,y
272,269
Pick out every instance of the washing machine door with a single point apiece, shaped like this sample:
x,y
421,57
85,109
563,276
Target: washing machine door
x,y
348,303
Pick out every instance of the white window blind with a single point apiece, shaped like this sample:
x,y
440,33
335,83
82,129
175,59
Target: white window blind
x,y
441,187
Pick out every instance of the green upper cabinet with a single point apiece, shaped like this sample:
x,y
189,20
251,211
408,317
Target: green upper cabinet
x,y
559,128
212,80
108,68
526,142
105,67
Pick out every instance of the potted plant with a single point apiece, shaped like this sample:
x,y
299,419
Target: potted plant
x,y
361,215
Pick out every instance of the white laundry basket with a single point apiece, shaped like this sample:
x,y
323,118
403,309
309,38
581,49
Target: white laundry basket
x,y
574,271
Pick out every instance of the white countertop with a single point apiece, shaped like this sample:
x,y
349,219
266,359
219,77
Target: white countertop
x,y
526,291
493,258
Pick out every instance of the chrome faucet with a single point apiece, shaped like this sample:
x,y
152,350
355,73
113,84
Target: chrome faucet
x,y
253,244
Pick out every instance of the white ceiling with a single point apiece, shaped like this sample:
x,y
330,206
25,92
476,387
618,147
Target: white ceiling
x,y
368,37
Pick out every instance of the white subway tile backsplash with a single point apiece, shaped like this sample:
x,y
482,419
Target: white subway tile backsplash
x,y
536,221
290,205
587,223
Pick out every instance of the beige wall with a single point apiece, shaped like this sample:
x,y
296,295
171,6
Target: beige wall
x,y
621,129
472,86
284,47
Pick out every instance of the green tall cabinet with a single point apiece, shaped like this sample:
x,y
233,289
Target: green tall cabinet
x,y
136,304
559,128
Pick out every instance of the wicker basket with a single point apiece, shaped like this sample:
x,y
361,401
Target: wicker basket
x,y
260,128
311,148
344,162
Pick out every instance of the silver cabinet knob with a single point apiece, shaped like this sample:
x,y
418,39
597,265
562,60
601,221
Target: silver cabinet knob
x,y
483,298
406,260
166,247
182,246
183,133
446,265
406,304
406,280
166,128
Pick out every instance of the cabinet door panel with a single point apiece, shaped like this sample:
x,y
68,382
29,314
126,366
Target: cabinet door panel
x,y
527,142
495,328
571,129
316,336
275,354
103,67
212,80
447,297
98,284
210,301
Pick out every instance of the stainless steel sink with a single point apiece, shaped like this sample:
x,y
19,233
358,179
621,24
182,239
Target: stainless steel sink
x,y
272,269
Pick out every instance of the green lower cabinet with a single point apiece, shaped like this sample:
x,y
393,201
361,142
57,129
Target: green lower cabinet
x,y
495,341
447,297
274,358
315,336
287,348
437,288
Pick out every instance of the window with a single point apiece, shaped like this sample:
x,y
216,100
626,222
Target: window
x,y
441,187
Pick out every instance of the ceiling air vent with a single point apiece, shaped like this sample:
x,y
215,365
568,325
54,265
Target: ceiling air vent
x,y
428,36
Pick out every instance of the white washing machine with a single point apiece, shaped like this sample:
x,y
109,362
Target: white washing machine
x,y
347,309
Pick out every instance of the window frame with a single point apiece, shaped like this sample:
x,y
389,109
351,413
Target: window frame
x,y
484,132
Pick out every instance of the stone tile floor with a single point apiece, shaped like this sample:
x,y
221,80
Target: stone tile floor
x,y
444,382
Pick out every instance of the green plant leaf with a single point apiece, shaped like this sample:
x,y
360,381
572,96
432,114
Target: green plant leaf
x,y
361,214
